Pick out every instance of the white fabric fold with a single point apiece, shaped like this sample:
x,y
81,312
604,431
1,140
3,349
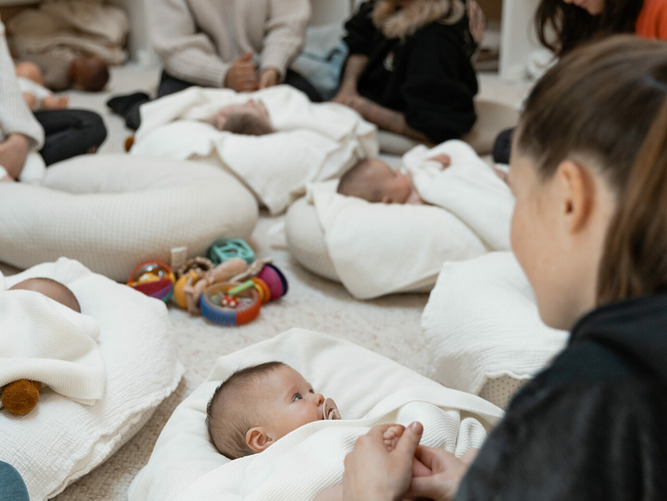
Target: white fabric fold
x,y
42,340
314,141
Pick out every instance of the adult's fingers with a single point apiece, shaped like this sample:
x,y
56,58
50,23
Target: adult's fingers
x,y
409,441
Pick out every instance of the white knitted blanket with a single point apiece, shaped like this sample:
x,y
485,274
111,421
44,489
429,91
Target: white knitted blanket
x,y
42,340
314,142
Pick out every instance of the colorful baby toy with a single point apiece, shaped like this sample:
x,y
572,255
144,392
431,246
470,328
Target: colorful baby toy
x,y
153,278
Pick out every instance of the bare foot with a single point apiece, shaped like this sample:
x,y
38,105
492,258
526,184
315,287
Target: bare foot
x,y
391,436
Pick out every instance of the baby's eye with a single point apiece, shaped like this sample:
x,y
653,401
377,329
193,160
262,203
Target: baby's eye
x,y
297,396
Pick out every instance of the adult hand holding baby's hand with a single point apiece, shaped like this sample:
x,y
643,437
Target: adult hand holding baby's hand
x,y
242,75
269,78
447,472
374,472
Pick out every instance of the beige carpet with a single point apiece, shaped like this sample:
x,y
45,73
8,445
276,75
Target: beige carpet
x,y
389,326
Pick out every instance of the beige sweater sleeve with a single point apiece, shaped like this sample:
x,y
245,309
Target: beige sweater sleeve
x,y
15,117
285,33
184,51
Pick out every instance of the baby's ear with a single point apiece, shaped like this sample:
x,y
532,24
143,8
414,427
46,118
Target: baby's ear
x,y
219,120
258,439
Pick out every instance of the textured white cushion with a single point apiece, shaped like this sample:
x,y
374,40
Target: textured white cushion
x,y
185,465
111,212
482,326
61,440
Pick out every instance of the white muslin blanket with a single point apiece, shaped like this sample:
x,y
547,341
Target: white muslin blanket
x,y
314,142
380,249
42,340
185,466
481,323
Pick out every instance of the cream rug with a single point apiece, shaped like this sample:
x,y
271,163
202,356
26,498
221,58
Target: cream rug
x,y
389,326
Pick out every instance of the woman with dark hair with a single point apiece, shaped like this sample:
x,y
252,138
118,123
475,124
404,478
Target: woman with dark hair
x,y
588,172
409,70
562,25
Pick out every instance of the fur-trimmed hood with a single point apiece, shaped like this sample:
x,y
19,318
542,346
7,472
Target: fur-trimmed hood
x,y
397,22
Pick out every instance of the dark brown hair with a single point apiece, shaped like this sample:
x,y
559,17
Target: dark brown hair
x,y
561,27
247,124
226,416
91,73
602,102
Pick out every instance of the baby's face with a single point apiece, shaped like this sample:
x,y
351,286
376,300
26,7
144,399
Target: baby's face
x,y
290,402
394,185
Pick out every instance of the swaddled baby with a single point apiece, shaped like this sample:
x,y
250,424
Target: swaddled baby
x,y
258,405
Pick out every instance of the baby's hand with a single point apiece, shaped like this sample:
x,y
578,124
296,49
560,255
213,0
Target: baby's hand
x,y
443,159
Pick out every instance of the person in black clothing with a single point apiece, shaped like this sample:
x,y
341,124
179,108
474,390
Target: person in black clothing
x,y
590,231
409,70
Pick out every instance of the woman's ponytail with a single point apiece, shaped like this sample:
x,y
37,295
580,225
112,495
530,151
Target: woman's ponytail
x,y
635,259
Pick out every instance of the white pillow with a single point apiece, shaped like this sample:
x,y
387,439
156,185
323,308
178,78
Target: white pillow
x,y
483,328
112,212
61,440
367,388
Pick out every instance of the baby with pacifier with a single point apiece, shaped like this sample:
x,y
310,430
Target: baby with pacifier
x,y
258,405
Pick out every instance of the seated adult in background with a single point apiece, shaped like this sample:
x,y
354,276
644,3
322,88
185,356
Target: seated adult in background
x,y
563,25
409,70
60,134
244,45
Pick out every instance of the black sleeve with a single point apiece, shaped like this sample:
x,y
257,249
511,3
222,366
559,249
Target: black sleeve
x,y
360,30
602,442
440,84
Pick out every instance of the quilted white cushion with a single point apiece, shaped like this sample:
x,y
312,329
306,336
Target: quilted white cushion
x,y
483,328
185,465
112,212
61,440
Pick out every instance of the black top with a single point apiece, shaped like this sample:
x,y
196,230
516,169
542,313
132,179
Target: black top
x,y
592,426
428,77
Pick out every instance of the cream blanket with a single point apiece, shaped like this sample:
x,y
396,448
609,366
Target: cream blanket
x,y
42,340
185,466
314,142
380,249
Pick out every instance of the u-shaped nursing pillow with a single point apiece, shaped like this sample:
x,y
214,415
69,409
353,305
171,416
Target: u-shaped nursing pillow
x,y
111,212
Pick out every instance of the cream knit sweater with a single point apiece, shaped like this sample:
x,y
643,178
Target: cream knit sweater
x,y
15,117
197,40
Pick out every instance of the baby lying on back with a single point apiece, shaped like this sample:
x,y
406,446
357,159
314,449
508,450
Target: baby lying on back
x,y
374,181
258,405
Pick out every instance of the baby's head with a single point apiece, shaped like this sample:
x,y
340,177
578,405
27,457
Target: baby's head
x,y
374,181
51,289
31,71
250,118
89,73
257,406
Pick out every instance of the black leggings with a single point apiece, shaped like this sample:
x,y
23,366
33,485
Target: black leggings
x,y
68,133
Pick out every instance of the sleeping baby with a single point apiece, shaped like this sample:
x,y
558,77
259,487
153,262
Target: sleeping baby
x,y
250,118
375,181
258,405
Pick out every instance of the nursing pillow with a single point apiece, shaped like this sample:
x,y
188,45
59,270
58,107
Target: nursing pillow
x,y
483,329
63,439
492,117
185,465
112,212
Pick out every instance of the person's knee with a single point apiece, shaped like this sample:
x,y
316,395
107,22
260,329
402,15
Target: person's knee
x,y
12,486
94,126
